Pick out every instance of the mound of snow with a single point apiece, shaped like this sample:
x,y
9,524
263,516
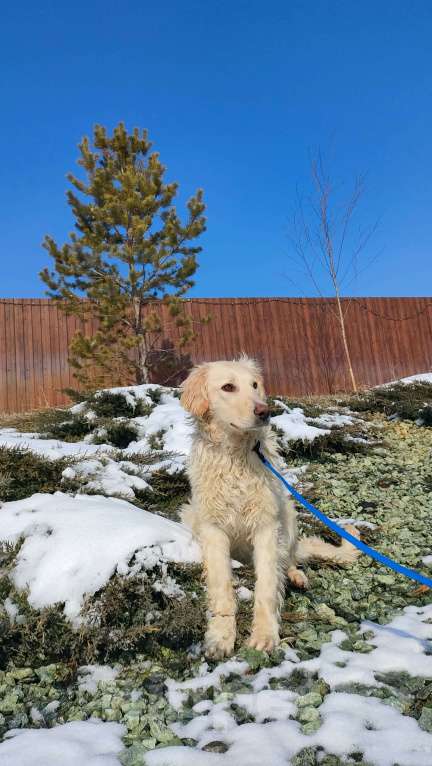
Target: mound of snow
x,y
86,743
133,393
73,545
422,377
168,419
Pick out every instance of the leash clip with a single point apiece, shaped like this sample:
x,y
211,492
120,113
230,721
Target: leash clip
x,y
258,451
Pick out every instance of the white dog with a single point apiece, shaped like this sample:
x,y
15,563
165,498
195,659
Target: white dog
x,y
238,507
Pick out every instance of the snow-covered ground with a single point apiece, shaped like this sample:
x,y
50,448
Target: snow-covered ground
x,y
343,722
94,465
74,544
349,722
98,471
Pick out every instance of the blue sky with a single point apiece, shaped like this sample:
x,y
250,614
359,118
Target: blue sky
x,y
235,96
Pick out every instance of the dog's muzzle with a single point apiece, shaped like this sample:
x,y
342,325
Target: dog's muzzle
x,y
262,412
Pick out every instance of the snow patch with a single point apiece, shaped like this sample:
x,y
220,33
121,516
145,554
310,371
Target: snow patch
x,y
86,743
270,705
169,417
295,425
108,476
404,645
244,594
11,610
73,545
332,420
93,465
177,691
89,676
51,449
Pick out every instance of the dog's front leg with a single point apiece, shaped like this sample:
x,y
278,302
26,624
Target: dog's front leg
x,y
221,628
268,588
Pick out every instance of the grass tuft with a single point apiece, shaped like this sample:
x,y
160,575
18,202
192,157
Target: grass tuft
x,y
168,491
120,434
24,473
124,618
74,428
409,402
155,395
311,408
155,441
322,447
111,405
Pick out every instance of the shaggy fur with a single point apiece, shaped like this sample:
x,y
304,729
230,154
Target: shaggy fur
x,y
238,509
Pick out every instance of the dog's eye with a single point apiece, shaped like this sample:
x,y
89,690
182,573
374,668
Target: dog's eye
x,y
228,387
255,384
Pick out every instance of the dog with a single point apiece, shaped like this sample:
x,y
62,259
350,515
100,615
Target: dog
x,y
238,508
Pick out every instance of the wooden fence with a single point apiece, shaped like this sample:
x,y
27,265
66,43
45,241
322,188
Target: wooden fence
x,y
297,341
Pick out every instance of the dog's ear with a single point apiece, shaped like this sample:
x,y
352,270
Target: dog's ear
x,y
194,396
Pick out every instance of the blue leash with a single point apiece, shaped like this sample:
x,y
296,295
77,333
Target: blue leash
x,y
341,531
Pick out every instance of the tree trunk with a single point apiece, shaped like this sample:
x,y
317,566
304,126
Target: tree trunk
x,y
142,371
345,342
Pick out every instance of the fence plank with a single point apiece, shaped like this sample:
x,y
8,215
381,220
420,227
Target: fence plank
x,y
3,360
11,372
28,353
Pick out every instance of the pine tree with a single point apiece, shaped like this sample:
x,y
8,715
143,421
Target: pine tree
x,y
129,248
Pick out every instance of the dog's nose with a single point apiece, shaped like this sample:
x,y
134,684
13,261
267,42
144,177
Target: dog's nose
x,y
261,411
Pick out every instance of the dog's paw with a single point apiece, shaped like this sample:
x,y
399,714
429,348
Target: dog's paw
x,y
220,637
264,641
298,578
346,553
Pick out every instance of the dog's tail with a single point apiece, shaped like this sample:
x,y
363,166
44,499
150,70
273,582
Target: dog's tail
x,y
313,548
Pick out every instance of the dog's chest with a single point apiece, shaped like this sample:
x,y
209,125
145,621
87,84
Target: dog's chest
x,y
233,492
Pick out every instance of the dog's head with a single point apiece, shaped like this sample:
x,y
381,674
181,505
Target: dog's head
x,y
231,393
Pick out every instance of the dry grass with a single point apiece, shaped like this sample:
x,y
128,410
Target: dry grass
x,y
29,421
